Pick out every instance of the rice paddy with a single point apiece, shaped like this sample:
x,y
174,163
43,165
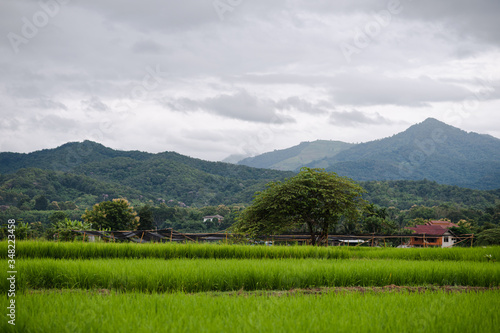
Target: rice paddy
x,y
80,250
83,311
113,287
198,275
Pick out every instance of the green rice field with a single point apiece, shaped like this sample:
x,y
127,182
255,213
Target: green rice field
x,y
117,287
80,250
198,275
82,311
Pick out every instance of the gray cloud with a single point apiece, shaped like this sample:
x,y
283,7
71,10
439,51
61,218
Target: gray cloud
x,y
476,19
154,15
53,122
302,105
377,89
49,104
147,46
265,63
240,105
94,103
355,118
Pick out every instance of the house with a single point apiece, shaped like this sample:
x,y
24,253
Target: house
x,y
217,217
433,233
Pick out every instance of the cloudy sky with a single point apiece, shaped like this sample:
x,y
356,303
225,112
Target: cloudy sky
x,y
212,78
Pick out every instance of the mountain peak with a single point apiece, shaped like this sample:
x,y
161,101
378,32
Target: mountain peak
x,y
430,150
433,123
431,120
430,127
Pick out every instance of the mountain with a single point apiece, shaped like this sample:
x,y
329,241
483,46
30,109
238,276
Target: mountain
x,y
132,174
429,150
80,174
295,157
234,158
26,184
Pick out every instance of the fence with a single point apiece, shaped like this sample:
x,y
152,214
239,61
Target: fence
x,y
170,235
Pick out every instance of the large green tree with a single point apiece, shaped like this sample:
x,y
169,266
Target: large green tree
x,y
146,220
115,215
41,203
489,237
314,198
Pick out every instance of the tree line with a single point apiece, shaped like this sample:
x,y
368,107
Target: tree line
x,y
314,202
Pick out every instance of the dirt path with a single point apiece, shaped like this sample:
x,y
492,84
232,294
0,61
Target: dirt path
x,y
384,289
296,292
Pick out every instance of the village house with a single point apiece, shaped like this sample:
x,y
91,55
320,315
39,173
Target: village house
x,y
214,218
433,233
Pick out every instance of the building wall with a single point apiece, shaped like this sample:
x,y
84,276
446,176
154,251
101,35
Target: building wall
x,y
444,241
448,241
429,241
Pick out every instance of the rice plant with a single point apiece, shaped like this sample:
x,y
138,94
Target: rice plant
x,y
83,311
197,275
80,250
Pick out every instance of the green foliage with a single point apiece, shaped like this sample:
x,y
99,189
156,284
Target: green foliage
x,y
86,251
61,189
178,188
257,312
202,275
461,230
146,220
41,203
114,215
489,237
313,198
104,174
63,229
404,194
90,170
103,311
57,217
22,231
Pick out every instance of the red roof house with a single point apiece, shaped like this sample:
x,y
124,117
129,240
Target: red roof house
x,y
433,233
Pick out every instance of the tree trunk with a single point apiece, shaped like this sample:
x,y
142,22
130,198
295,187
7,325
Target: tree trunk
x,y
312,233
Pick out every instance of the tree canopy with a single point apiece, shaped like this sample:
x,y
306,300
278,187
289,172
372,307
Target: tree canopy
x,y
115,215
314,198
146,220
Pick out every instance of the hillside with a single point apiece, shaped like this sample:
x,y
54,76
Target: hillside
x,y
430,150
164,176
26,184
295,157
87,172
164,181
403,194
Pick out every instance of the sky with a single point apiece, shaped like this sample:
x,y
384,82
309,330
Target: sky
x,y
213,78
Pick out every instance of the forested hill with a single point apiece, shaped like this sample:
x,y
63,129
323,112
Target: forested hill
x,y
86,173
162,176
430,150
66,190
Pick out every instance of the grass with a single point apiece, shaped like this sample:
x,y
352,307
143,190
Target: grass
x,y
80,250
197,275
84,311
108,287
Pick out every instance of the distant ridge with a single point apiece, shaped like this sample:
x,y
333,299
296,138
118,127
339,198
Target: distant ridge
x,y
429,150
295,157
